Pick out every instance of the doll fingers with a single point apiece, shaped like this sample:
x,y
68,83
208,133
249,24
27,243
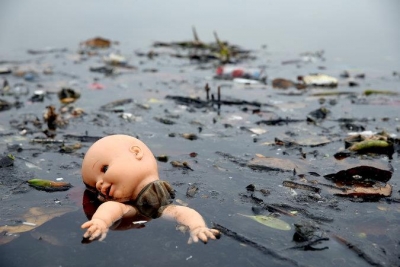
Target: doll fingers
x,y
193,239
89,232
95,235
103,236
203,237
210,234
216,233
86,225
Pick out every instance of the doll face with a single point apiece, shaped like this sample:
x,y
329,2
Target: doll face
x,y
118,167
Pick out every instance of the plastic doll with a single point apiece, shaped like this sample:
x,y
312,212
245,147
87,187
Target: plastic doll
x,y
123,172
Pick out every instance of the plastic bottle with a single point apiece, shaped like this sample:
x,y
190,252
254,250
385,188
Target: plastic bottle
x,y
231,72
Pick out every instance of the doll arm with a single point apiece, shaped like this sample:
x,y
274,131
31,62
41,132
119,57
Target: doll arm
x,y
193,220
105,216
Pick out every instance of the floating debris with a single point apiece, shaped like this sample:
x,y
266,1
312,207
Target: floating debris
x,y
115,105
282,83
379,92
368,142
107,70
301,186
49,186
230,72
46,50
5,70
367,192
318,80
4,105
318,115
38,96
47,141
68,95
362,174
179,164
190,136
257,131
51,117
7,161
115,59
70,148
269,221
97,42
192,190
164,121
199,51
370,145
277,164
162,158
308,234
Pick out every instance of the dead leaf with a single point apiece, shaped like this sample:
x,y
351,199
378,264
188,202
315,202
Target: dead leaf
x,y
368,191
97,42
276,164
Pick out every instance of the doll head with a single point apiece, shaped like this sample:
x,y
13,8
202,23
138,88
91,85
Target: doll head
x,y
118,167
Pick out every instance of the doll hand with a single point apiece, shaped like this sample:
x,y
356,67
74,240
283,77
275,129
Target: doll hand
x,y
203,233
96,228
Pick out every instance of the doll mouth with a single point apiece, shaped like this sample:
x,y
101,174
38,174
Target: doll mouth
x,y
104,193
108,189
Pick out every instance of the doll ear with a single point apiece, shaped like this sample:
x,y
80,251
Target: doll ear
x,y
137,151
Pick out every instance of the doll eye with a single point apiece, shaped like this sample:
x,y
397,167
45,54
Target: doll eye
x,y
104,168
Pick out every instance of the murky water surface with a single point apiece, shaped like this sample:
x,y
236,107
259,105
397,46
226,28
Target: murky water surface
x,y
359,37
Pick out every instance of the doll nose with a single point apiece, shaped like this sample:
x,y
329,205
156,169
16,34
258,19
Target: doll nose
x,y
99,185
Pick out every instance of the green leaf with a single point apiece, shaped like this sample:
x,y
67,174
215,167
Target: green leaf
x,y
270,221
48,185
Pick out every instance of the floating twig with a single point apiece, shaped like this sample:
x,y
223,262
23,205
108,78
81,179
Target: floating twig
x,y
47,141
259,247
301,186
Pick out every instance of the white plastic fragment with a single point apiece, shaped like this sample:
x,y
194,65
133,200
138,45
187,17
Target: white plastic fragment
x,y
115,59
28,223
320,80
364,133
139,222
245,81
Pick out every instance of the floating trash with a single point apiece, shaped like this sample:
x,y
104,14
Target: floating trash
x,y
4,105
269,221
97,42
179,164
230,72
38,96
115,59
49,186
190,136
68,95
7,161
162,158
191,191
367,192
319,80
379,92
5,70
